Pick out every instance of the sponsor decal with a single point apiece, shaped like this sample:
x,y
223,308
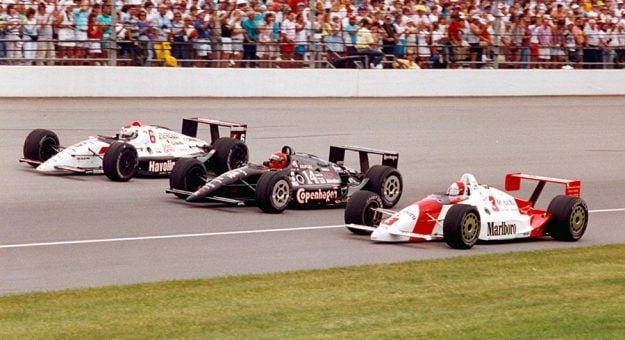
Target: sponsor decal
x,y
168,148
501,229
502,204
303,196
161,166
411,214
168,135
388,157
328,174
305,166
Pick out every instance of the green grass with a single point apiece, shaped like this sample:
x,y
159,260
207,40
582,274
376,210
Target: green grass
x,y
573,293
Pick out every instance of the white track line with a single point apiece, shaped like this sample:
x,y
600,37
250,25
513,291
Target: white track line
x,y
161,237
224,233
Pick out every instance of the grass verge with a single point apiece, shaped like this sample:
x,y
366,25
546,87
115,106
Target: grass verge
x,y
571,293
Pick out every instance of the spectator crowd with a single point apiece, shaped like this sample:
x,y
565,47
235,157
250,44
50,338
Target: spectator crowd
x,y
409,34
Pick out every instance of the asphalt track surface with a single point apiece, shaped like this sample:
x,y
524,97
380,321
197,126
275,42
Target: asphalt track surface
x,y
59,232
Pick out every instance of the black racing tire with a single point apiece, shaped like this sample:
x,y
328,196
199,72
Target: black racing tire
x,y
386,182
360,210
461,227
273,192
229,154
40,145
569,218
120,162
188,174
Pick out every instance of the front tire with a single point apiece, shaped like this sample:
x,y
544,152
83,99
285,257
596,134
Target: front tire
x,y
189,174
273,192
569,218
120,162
40,145
360,209
229,154
461,227
386,182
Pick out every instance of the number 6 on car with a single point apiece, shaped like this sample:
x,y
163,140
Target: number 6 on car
x,y
138,149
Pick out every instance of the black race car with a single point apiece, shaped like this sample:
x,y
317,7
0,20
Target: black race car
x,y
291,178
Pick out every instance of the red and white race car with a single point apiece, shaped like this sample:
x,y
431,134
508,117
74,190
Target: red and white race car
x,y
470,211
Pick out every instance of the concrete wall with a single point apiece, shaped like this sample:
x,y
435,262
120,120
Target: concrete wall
x,y
191,82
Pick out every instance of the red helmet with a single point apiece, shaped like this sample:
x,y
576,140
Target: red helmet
x,y
456,188
278,160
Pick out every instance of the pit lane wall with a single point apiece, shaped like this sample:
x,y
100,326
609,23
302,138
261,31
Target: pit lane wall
x,y
64,81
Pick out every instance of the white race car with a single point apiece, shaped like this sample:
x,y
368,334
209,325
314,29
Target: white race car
x,y
138,149
469,212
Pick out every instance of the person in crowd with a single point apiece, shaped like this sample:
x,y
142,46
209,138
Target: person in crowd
x,y
332,34
456,40
105,19
545,41
389,35
302,30
287,29
592,51
202,43
267,40
558,49
238,37
473,38
161,31
250,39
366,45
45,46
350,34
178,38
94,34
30,37
13,31
81,26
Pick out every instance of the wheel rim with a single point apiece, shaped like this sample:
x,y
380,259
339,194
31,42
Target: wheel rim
x,y
195,178
578,219
126,163
281,193
470,227
48,148
392,188
237,157
371,216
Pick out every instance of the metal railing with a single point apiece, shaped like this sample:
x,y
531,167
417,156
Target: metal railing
x,y
317,54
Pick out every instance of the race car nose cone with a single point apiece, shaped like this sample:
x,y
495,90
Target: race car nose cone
x,y
193,198
46,167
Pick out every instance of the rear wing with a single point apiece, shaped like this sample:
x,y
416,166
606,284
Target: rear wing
x,y
337,155
513,183
190,126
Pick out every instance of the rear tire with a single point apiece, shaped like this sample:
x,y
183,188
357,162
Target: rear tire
x,y
461,227
229,154
40,145
360,210
569,218
273,192
120,162
189,174
386,182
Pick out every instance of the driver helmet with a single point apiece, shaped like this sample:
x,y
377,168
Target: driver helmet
x,y
278,160
456,188
130,131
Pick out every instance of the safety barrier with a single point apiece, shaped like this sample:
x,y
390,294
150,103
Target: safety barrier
x,y
77,81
